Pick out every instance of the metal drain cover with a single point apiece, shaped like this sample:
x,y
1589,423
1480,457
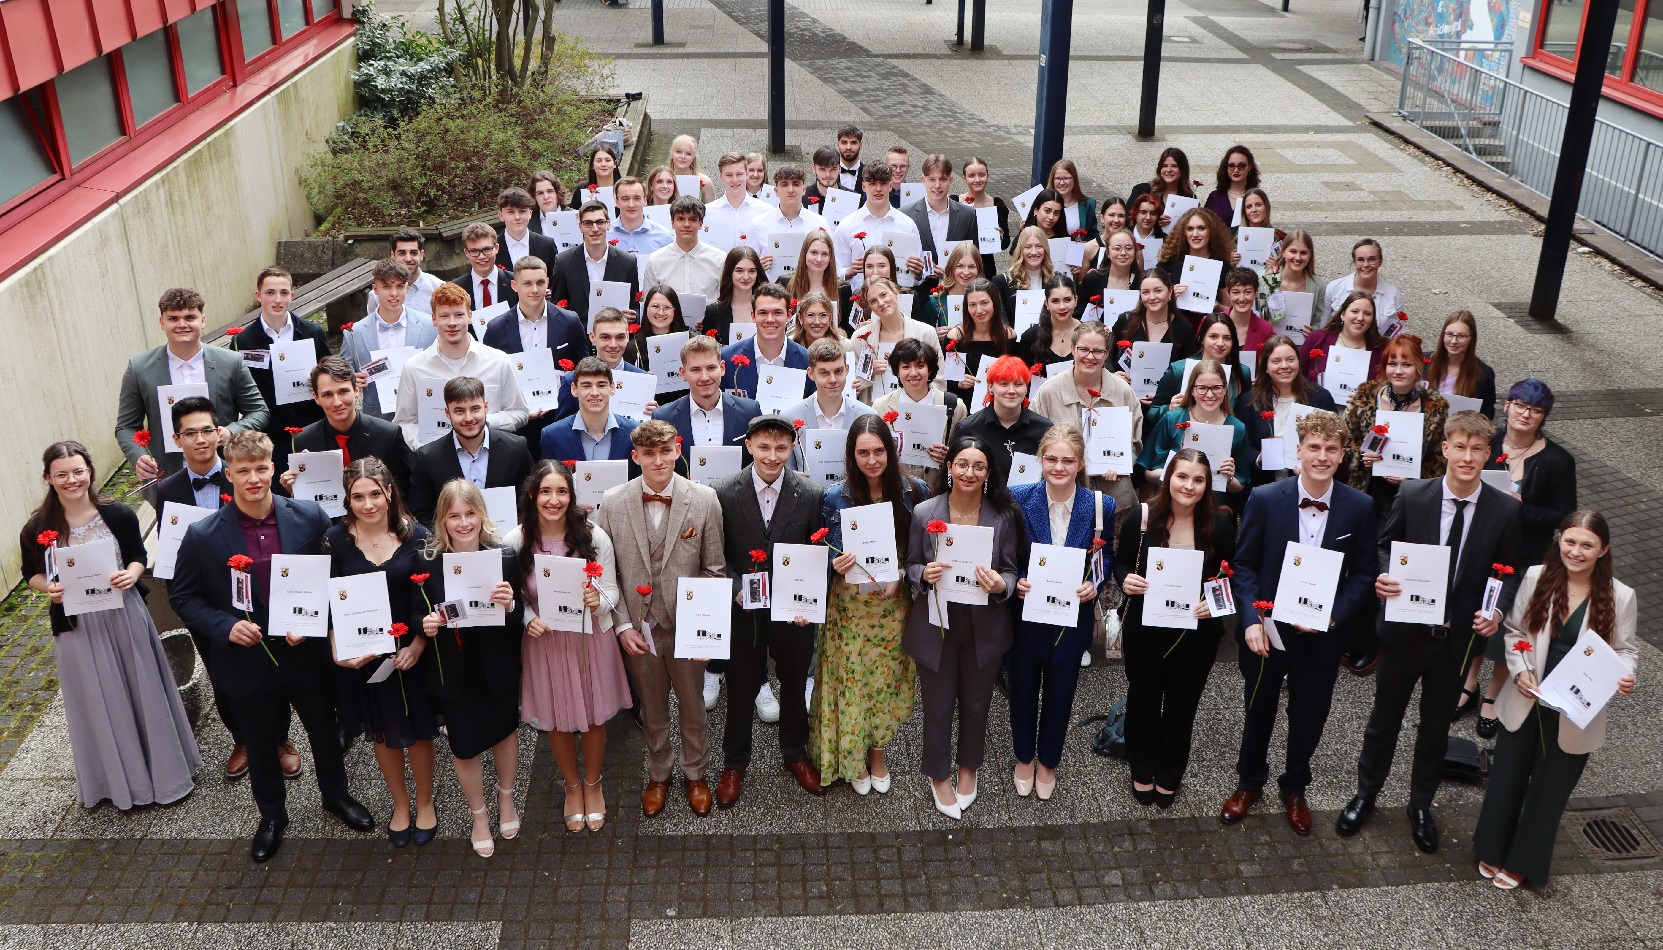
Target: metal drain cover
x,y
1612,834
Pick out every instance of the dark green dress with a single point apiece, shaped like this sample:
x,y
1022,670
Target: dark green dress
x,y
1531,781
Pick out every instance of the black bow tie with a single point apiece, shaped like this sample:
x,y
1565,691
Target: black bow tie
x,y
197,484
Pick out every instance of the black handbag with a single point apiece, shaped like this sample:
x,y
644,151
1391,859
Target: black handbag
x,y
1110,740
1465,762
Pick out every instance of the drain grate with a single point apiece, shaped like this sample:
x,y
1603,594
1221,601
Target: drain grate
x,y
1612,834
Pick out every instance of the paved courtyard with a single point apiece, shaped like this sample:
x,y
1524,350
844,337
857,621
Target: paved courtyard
x,y
1089,868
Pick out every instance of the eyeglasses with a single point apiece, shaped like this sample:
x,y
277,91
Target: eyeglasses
x,y
485,251
1209,390
1455,337
1236,166
592,224
1058,460
963,465
70,476
202,433
1530,410
1090,354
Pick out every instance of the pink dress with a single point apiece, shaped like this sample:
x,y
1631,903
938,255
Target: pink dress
x,y
570,682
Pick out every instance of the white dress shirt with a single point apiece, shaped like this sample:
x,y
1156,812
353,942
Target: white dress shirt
x,y
487,364
773,221
938,228
847,248
1312,521
1446,519
390,335
833,421
720,215
776,360
848,178
767,494
208,495
1061,513
283,334
520,248
418,296
597,269
534,333
698,271
182,372
708,428
480,283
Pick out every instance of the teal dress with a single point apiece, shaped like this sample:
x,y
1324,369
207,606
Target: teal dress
x,y
1172,381
1161,439
1531,782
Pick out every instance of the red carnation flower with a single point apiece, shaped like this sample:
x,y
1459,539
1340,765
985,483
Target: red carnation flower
x,y
812,200
952,345
798,424
740,359
1523,646
594,187
1036,369
225,499
860,235
1318,354
1224,568
234,331
569,463
891,416
46,538
1501,458
936,526
566,365
634,328
1382,429
1093,393
644,590
347,327
593,569
1097,298
293,430
1268,414
141,438
758,556
398,630
1098,543
561,303
239,562
710,333
1124,344
613,241
1181,425
1263,605
419,578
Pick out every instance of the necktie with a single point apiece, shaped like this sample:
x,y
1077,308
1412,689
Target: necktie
x,y
346,457
647,496
197,484
1318,505
1457,527
485,290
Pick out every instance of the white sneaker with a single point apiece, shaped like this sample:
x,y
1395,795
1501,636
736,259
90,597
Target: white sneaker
x,y
1085,658
767,707
808,694
712,690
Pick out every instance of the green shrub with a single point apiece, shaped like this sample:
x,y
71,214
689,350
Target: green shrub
x,y
399,70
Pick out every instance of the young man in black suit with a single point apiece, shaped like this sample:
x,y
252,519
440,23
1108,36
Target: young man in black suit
x,y
1480,525
201,483
273,292
575,267
487,284
490,458
343,427
514,210
264,676
765,504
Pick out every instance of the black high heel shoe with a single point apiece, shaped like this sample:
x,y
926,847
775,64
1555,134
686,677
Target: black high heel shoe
x,y
1468,703
1488,726
1144,796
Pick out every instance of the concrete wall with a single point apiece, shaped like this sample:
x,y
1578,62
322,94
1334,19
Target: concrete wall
x,y
210,220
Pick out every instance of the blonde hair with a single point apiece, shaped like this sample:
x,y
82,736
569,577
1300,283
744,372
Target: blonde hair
x,y
799,331
1018,272
960,251
691,142
249,445
1075,439
1211,368
460,490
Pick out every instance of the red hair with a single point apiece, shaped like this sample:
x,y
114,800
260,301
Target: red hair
x,y
1405,346
1009,369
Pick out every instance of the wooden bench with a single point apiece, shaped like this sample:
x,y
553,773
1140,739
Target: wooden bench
x,y
310,298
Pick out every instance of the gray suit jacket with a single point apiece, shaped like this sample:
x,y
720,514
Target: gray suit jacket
x,y
357,344
805,411
992,630
238,404
961,226
692,543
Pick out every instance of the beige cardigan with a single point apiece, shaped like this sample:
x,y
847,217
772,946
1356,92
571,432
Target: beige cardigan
x,y
1059,400
1512,706
935,478
867,335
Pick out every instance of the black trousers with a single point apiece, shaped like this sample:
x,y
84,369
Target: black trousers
x,y
264,718
1310,664
1166,673
792,648
1435,664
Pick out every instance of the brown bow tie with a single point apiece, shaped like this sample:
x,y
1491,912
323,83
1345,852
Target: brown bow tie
x,y
1313,503
647,496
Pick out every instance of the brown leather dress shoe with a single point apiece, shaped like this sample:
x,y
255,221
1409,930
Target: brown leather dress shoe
x,y
698,796
807,776
236,765
1299,814
728,788
1236,806
652,799
288,757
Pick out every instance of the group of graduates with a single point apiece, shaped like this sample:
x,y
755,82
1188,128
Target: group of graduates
x,y
876,333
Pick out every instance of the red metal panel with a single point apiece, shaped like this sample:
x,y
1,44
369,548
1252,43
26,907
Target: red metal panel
x,y
148,16
178,9
111,23
72,31
28,35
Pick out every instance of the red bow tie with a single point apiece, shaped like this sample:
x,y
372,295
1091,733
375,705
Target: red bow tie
x,y
1313,503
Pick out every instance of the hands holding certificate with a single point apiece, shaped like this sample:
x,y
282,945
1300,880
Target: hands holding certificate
x,y
986,577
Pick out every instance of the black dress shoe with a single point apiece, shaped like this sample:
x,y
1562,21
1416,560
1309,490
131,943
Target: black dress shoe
x,y
267,839
1164,800
1352,816
344,738
352,813
1363,663
1143,796
1423,829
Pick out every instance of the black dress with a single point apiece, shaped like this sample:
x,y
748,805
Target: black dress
x,y
1178,332
475,674
396,712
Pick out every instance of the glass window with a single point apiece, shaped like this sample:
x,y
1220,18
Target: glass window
x,y
23,158
255,18
1619,38
1562,27
1648,62
149,68
199,46
322,8
291,16
86,101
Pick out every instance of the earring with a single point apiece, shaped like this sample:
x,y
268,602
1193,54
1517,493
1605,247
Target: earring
x,y
949,481
984,487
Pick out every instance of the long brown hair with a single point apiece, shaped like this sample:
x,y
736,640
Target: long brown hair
x,y
1137,322
50,515
724,290
399,521
1220,245
895,486
1372,340
1466,376
580,539
800,286
1185,186
998,331
1160,507
1264,388
1551,599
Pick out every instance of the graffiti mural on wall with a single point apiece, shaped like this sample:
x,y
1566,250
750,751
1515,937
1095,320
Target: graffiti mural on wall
x,y
1474,20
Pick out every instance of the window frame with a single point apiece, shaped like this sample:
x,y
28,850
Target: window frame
x,y
1619,88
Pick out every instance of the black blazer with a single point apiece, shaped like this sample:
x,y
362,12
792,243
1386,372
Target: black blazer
x,y
295,414
177,487
1549,494
367,436
1271,523
435,464
541,247
1492,538
1259,428
961,226
122,522
796,516
498,647
565,333
200,593
1131,554
502,291
569,278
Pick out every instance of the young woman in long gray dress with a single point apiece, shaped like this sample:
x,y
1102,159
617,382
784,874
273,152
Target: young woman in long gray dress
x,y
127,728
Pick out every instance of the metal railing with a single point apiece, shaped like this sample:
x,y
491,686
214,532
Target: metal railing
x,y
1459,92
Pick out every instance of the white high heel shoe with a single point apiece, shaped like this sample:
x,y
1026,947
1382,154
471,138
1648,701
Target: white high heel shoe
x,y
862,786
953,810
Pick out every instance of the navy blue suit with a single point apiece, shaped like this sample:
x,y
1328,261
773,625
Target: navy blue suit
x,y
737,413
1312,660
565,334
561,441
260,691
568,402
743,378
